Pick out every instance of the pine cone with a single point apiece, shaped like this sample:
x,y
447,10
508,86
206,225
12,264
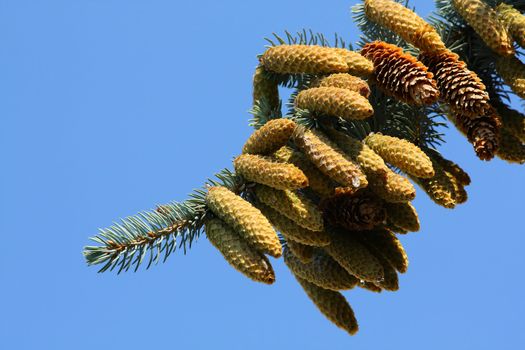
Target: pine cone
x,y
331,304
317,181
356,63
391,280
370,287
355,258
322,271
308,59
359,211
400,74
484,20
270,137
394,188
404,23
403,215
388,245
292,231
482,132
329,158
512,71
238,253
343,81
304,253
402,154
263,170
245,219
513,121
511,148
449,166
292,205
459,87
335,101
265,89
514,21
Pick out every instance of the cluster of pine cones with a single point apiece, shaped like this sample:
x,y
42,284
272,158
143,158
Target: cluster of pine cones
x,y
335,200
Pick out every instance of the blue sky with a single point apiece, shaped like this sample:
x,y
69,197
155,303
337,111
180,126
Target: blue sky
x,y
110,107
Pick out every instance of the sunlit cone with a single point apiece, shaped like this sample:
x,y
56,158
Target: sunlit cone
x,y
405,23
370,287
386,243
343,81
514,21
394,188
292,205
335,101
264,89
292,231
309,59
270,137
238,253
482,132
265,171
329,158
403,215
512,70
400,74
359,211
322,271
357,64
513,121
459,87
355,257
402,154
484,20
511,148
247,220
449,166
332,304
305,253
317,181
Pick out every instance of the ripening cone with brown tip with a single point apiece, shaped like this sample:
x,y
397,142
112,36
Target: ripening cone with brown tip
x,y
400,74
484,20
245,219
265,171
335,101
264,89
388,245
513,121
307,59
354,212
332,305
403,215
293,205
304,253
354,257
270,137
405,23
402,154
514,21
511,148
329,158
317,181
343,81
238,253
292,231
482,132
322,271
512,70
356,63
460,87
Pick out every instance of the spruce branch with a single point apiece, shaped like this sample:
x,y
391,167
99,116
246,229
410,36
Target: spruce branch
x,y
155,234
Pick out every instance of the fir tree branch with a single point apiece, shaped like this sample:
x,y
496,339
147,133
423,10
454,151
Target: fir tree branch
x,y
156,233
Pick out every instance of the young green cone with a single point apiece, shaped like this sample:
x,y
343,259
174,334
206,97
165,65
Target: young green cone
x,y
270,137
514,21
304,253
263,170
265,89
356,64
394,188
513,121
238,253
245,219
388,245
331,304
511,148
335,101
512,70
403,215
343,81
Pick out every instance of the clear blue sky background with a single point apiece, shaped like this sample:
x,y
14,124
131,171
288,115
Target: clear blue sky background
x,y
110,107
